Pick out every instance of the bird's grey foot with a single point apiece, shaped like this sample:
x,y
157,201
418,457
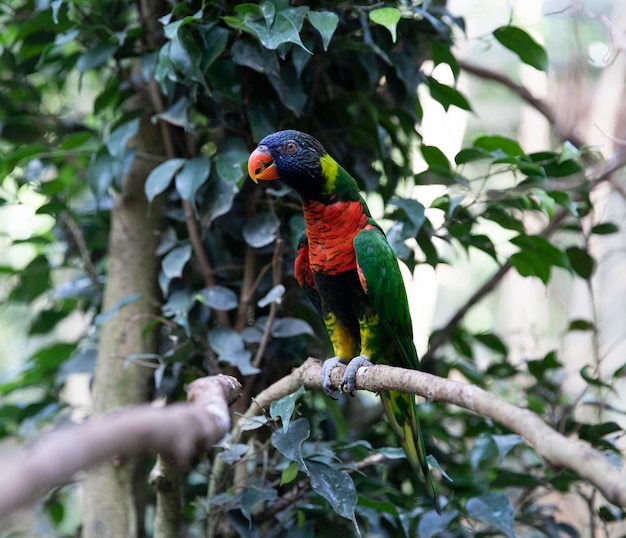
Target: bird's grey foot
x,y
348,383
327,368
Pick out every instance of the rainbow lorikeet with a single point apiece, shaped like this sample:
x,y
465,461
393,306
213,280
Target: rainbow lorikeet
x,y
351,274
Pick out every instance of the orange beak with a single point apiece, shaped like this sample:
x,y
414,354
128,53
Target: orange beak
x,y
261,165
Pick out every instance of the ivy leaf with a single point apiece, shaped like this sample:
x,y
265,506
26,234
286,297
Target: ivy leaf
x,y
261,230
432,524
160,177
505,444
175,260
119,137
288,327
273,296
484,448
387,17
252,496
325,22
494,509
229,165
289,443
521,43
193,174
218,297
285,27
413,209
336,486
284,407
95,57
106,316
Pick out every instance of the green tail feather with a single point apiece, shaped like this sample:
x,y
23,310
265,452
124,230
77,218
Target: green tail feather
x,y
401,410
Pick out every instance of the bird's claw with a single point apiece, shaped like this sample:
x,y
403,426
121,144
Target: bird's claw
x,y
348,381
327,368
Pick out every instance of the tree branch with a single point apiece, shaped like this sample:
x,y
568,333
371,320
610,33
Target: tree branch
x,y
555,448
177,431
524,93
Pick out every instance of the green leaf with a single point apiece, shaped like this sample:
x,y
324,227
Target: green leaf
x,y
413,209
580,325
387,17
336,486
289,473
289,443
252,496
261,230
447,96
175,260
588,377
548,252
224,340
193,174
230,165
499,145
285,27
160,177
325,22
289,327
218,297
518,41
529,263
284,407
434,156
605,228
484,449
582,262
505,444
119,137
275,295
106,316
95,57
433,524
494,509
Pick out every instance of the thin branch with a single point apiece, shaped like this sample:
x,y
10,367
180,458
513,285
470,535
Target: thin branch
x,y
561,451
178,431
524,93
79,239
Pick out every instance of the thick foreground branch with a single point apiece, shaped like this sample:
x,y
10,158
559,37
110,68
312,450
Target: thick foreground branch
x,y
178,431
557,449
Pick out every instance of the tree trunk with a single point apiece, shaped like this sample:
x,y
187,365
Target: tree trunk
x,y
115,492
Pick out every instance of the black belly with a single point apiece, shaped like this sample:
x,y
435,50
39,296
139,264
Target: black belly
x,y
343,295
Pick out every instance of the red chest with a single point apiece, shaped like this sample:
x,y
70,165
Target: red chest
x,y
331,229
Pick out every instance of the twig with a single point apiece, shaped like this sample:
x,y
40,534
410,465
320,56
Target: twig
x,y
560,451
524,93
276,278
79,239
177,431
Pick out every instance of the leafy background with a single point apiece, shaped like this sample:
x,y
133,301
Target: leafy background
x,y
479,188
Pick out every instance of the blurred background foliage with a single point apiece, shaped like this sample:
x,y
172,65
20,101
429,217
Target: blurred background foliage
x,y
477,193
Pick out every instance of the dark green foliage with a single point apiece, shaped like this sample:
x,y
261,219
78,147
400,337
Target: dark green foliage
x,y
226,75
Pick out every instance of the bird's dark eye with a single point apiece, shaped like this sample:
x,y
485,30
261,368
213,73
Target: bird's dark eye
x,y
290,146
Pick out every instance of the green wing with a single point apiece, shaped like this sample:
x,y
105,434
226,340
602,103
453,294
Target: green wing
x,y
383,284
380,277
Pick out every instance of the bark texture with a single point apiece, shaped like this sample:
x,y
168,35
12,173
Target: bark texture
x,y
115,491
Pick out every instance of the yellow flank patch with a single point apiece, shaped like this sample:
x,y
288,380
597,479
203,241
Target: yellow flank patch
x,y
330,168
343,343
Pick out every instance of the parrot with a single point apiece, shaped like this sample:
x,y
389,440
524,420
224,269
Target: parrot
x,y
351,274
